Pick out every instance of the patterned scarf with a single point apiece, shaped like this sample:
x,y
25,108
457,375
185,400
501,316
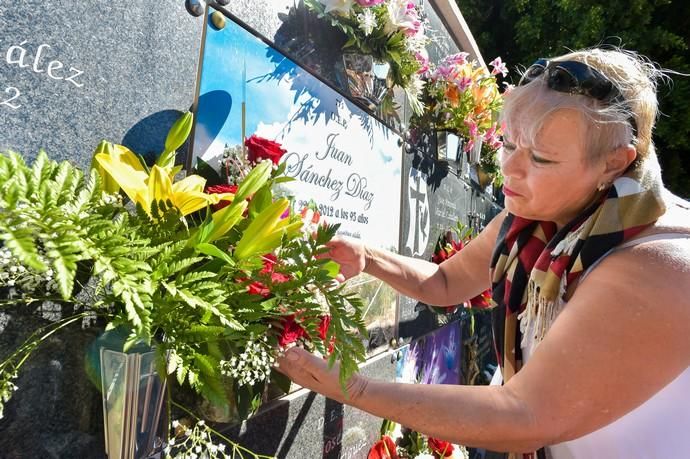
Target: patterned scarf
x,y
533,262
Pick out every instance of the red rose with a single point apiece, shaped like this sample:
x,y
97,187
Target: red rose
x,y
383,449
218,189
440,448
259,148
292,331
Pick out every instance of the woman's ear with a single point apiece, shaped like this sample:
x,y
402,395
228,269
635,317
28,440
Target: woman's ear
x,y
618,160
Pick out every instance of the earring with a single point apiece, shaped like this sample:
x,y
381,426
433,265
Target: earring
x,y
602,186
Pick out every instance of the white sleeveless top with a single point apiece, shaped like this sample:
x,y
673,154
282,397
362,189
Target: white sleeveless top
x,y
657,429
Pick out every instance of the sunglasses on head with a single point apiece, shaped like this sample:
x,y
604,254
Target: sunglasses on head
x,y
578,78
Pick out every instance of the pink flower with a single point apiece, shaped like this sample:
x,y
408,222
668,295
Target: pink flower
x,y
472,126
456,59
423,60
463,83
492,138
498,67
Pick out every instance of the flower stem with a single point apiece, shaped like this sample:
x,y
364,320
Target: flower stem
x,y
235,446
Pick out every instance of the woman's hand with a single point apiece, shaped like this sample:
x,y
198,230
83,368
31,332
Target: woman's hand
x,y
312,372
350,254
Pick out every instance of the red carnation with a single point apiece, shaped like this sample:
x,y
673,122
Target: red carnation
x,y
270,261
323,332
440,448
292,331
279,278
259,148
383,449
218,189
323,327
257,288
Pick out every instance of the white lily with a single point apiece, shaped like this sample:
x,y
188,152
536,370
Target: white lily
x,y
342,7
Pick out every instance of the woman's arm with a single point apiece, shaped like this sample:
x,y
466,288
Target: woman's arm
x,y
624,335
462,276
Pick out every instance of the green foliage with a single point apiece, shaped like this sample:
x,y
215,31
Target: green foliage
x,y
157,277
521,31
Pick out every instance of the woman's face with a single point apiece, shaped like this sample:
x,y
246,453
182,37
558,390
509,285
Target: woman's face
x,y
551,180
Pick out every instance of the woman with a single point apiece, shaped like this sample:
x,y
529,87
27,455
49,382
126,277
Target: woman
x,y
590,268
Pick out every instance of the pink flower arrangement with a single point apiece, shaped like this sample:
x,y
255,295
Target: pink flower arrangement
x,y
462,97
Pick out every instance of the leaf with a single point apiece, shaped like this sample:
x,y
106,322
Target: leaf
x,y
221,222
253,181
213,251
332,268
21,244
181,374
261,200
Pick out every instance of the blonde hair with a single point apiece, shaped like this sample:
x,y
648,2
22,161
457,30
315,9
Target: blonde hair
x,y
609,124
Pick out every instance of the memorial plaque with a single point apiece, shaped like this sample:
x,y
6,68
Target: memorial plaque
x,y
75,72
341,157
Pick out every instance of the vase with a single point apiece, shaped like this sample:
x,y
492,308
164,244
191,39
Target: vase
x,y
448,146
474,154
367,78
134,419
485,179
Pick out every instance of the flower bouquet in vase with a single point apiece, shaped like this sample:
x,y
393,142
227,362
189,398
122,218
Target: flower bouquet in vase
x,y
236,278
463,99
386,48
203,286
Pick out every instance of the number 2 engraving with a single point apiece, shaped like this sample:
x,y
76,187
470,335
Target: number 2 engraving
x,y
13,93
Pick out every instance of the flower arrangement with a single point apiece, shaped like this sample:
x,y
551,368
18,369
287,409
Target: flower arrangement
x,y
448,244
220,281
462,97
398,442
391,31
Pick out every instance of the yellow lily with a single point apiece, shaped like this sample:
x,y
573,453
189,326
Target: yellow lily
x,y
265,233
187,195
